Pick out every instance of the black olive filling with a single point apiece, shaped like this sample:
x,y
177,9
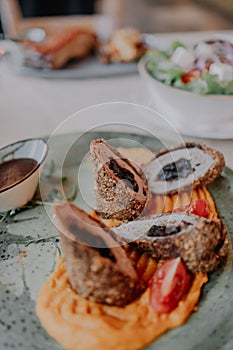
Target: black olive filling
x,y
162,230
219,246
182,168
123,174
106,253
94,241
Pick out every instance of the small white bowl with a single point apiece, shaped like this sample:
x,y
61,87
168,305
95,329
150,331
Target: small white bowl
x,y
192,114
22,191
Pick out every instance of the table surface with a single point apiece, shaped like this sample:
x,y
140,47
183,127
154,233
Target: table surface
x,y
33,107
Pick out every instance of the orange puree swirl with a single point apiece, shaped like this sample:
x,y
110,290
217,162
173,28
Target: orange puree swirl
x,y
80,324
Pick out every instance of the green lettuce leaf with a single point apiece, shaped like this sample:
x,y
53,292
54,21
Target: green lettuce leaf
x,y
213,85
229,88
198,86
159,65
177,44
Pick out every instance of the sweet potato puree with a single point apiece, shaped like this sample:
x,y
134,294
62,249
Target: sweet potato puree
x,y
79,324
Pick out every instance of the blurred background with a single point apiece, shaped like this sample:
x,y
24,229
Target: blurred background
x,y
147,15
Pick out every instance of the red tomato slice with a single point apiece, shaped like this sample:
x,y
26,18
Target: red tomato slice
x,y
168,286
198,207
186,78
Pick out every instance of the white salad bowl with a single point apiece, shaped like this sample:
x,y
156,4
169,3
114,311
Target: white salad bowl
x,y
22,190
192,114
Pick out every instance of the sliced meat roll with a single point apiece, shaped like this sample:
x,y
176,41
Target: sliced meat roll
x,y
198,241
96,263
183,166
121,188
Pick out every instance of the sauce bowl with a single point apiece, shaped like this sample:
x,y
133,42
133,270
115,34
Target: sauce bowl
x,y
20,164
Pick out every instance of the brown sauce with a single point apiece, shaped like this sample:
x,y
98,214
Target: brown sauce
x,y
15,170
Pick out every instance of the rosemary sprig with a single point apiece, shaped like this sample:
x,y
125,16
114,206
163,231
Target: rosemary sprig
x,y
40,239
59,252
53,197
11,213
14,239
4,216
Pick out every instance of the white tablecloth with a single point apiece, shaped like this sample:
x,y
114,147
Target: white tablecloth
x,y
32,107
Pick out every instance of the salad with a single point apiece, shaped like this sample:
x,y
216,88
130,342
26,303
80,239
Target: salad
x,y
206,68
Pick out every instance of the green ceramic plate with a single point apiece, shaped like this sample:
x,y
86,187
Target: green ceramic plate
x,y
24,265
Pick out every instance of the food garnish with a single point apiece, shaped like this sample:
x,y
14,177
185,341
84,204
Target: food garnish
x,y
169,285
198,207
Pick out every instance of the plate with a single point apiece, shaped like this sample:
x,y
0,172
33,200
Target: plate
x,y
86,68
23,268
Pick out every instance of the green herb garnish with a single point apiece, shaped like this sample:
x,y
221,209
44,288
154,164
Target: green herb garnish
x,y
4,216
15,239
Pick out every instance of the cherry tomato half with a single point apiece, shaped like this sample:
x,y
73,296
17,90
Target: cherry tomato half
x,y
169,285
188,77
198,207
